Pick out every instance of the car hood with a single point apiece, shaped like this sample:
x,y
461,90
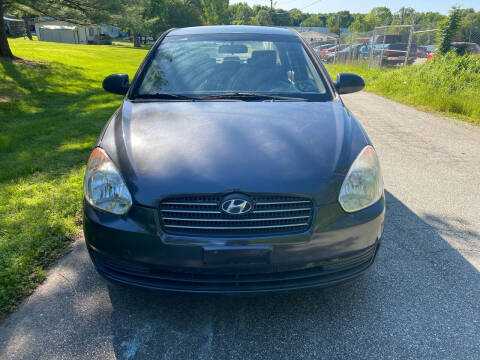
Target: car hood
x,y
166,148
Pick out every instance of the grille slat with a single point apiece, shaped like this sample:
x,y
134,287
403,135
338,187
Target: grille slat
x,y
233,227
190,203
199,215
284,202
279,210
236,220
192,211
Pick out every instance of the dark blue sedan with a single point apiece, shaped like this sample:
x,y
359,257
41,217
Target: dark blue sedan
x,y
233,166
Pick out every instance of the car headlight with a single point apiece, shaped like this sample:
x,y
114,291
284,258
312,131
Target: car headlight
x,y
103,185
363,185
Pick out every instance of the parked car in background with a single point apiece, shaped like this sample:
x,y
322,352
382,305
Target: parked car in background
x,y
232,166
326,50
422,52
466,48
461,48
392,50
331,50
319,48
389,49
431,51
349,53
394,54
317,43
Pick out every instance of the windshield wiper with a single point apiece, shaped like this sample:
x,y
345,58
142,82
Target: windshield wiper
x,y
249,96
242,96
166,96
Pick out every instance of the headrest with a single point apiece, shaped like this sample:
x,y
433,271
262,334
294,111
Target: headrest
x,y
265,57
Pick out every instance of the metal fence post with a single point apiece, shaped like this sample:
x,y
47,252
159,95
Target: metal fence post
x,y
410,38
372,45
351,48
383,46
335,51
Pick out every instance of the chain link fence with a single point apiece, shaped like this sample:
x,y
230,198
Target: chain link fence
x,y
388,46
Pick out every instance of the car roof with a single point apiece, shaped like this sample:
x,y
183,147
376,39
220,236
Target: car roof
x,y
232,29
463,43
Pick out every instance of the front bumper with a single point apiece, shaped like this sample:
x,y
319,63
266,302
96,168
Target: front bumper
x,y
133,250
328,274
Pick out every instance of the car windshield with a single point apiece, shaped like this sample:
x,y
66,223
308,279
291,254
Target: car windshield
x,y
226,65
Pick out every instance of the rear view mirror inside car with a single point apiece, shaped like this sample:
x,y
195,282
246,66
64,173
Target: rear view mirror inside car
x,y
232,49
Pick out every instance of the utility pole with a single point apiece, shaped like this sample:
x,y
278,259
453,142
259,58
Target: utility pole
x,y
410,39
271,12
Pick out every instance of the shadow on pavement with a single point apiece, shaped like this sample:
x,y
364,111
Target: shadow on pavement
x,y
410,304
419,301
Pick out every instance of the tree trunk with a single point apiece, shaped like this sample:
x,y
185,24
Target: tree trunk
x,y
5,51
136,40
27,30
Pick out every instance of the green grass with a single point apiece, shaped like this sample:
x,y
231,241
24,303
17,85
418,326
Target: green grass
x,y
51,111
449,84
124,44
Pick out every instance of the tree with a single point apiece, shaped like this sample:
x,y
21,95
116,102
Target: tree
x,y
470,27
75,11
449,30
152,17
179,13
341,19
133,18
262,18
5,51
314,20
360,24
379,16
215,12
281,18
240,14
333,21
433,18
296,17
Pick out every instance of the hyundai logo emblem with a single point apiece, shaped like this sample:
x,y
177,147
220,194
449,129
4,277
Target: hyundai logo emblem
x,y
236,206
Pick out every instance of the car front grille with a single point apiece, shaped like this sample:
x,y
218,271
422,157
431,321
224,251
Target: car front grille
x,y
202,216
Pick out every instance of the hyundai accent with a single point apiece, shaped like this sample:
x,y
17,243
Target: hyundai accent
x,y
232,166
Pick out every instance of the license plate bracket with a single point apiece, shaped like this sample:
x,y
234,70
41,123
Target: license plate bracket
x,y
233,255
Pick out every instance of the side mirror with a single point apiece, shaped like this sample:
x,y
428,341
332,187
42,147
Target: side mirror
x,y
116,83
349,83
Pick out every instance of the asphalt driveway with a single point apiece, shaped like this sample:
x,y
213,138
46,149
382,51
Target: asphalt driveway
x,y
421,299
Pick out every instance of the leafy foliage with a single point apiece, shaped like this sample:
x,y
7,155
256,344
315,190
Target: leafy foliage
x,y
152,17
240,13
76,11
449,30
380,16
215,12
360,24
